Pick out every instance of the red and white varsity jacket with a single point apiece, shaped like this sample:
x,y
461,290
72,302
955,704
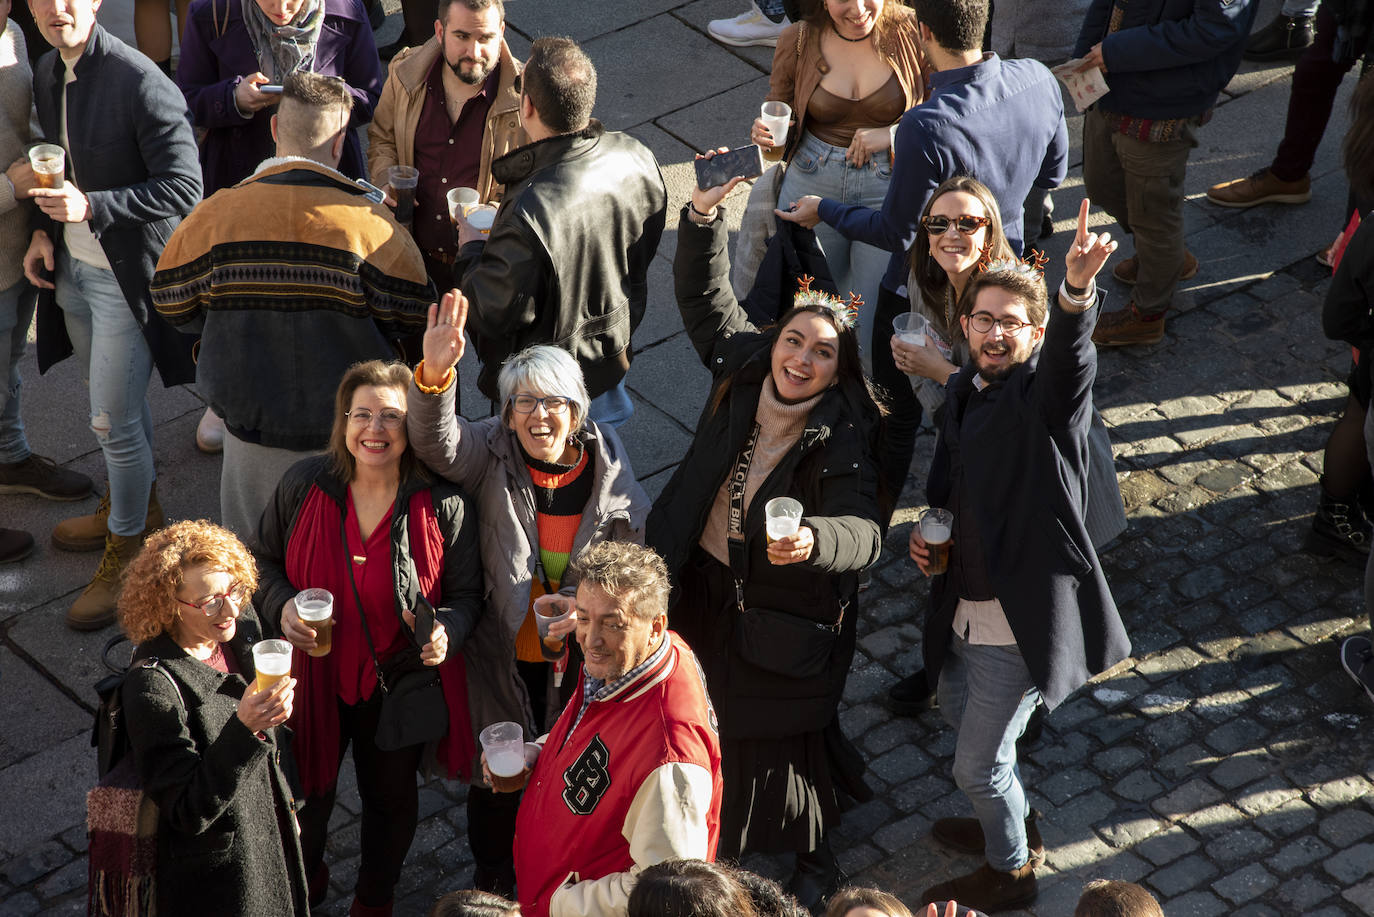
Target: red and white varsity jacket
x,y
637,782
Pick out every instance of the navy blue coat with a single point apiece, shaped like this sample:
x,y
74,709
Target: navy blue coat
x,y
134,157
1170,58
1025,454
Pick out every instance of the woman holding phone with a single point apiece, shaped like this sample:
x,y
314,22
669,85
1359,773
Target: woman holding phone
x,y
370,524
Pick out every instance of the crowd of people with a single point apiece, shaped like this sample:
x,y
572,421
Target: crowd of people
x,y
450,593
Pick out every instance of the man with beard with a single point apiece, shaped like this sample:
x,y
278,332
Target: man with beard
x,y
449,107
1022,612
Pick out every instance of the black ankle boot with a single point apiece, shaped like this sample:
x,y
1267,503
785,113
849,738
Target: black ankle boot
x,y
1285,37
816,878
1341,522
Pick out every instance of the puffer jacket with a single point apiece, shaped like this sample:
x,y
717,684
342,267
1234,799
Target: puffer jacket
x,y
483,457
567,261
832,470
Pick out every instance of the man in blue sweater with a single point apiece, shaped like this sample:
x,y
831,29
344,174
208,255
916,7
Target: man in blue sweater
x,y
1001,122
1165,62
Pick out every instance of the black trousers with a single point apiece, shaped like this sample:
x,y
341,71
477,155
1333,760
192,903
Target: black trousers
x,y
386,785
904,419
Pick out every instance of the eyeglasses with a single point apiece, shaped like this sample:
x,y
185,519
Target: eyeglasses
x,y
982,322
966,224
215,603
525,404
391,418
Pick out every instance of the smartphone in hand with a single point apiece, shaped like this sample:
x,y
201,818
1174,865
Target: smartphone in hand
x,y
424,620
744,162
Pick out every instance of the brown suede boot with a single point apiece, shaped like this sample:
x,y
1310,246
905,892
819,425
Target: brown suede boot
x,y
987,890
966,836
87,533
95,607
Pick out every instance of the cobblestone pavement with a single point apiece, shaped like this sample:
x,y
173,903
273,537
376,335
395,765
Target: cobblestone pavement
x,y
1226,765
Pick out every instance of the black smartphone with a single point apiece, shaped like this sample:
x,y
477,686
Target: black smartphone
x,y
270,88
424,620
745,162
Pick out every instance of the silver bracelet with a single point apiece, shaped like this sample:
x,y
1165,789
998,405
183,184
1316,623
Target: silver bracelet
x,y
1083,303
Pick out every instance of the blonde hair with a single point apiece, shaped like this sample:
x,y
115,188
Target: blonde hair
x,y
148,602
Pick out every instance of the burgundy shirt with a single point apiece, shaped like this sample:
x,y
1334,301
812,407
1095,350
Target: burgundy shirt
x,y
448,156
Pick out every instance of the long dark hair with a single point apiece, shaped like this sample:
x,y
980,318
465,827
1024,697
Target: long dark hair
x,y
1358,149
688,888
931,279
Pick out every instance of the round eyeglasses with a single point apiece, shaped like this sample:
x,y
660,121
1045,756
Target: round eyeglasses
x,y
982,322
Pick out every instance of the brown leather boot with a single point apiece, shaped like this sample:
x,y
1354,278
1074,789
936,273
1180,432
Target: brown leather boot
x,y
87,533
987,890
95,607
966,836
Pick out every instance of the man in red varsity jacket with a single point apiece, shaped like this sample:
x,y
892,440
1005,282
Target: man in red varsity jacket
x,y
629,776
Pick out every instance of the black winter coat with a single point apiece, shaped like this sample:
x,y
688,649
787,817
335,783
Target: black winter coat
x,y
1023,447
227,841
832,470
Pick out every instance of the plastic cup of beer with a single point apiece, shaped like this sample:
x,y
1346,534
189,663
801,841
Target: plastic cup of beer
x,y
550,610
403,181
504,747
482,219
49,162
776,116
462,201
782,517
315,608
937,528
911,328
272,660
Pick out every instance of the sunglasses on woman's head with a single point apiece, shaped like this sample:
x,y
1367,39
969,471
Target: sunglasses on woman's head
x,y
966,224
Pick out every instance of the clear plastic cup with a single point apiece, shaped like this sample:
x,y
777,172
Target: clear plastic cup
x,y
49,163
776,116
782,517
462,201
272,661
911,327
937,528
504,747
315,608
403,181
482,220
550,610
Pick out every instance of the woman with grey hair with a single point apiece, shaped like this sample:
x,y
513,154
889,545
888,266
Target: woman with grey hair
x,y
548,482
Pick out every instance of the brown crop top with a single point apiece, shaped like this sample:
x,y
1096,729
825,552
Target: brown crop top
x,y
834,120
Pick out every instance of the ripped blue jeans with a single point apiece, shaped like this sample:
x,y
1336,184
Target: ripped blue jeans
x,y
117,364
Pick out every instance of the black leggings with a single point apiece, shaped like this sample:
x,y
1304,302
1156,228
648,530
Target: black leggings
x,y
386,785
899,440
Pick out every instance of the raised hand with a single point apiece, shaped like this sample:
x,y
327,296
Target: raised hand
x,y
1088,253
706,201
444,343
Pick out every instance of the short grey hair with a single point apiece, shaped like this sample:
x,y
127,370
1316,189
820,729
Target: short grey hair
x,y
549,370
633,574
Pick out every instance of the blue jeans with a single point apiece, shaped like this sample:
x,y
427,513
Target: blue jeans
x,y
14,333
987,695
819,168
773,9
118,364
612,407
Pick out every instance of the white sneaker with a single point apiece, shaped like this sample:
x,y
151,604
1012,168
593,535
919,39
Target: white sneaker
x,y
210,433
748,28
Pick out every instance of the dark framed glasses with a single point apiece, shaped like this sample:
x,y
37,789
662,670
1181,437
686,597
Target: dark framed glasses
x,y
554,404
965,223
982,322
212,606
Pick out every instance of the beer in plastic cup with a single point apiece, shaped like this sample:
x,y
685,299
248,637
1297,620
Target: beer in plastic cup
x,y
403,180
782,517
461,202
49,162
504,747
937,528
548,610
315,608
272,660
911,328
482,219
776,116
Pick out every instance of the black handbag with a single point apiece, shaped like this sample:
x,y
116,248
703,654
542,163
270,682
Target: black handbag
x,y
768,638
414,711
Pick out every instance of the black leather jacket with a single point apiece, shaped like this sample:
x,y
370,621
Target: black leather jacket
x,y
568,258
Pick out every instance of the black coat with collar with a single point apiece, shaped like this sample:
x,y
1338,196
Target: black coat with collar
x,y
832,470
1022,446
134,157
227,842
567,261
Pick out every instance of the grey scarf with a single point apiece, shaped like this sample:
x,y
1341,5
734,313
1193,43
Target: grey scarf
x,y
283,49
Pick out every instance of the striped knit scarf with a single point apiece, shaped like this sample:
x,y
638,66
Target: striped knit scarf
x,y
121,824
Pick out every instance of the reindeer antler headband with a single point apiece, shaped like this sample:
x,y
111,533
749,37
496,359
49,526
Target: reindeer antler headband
x,y
845,313
1034,263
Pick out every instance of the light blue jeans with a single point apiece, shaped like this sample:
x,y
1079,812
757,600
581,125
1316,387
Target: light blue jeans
x,y
987,695
612,407
118,364
14,333
819,168
773,9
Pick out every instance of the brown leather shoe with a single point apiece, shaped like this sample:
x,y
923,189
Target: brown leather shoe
x,y
1127,271
987,890
88,533
1126,327
1263,187
966,836
95,607
15,545
44,477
